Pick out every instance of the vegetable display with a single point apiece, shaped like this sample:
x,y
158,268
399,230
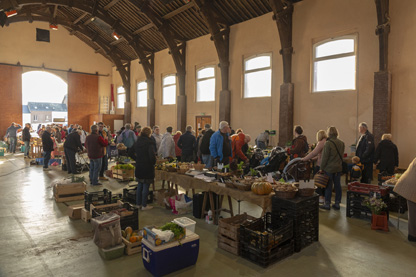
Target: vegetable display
x,y
261,188
124,166
178,231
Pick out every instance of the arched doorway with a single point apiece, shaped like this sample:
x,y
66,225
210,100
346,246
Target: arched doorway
x,y
44,98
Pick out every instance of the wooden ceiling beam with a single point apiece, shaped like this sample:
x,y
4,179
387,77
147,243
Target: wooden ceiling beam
x,y
111,4
144,28
80,18
185,7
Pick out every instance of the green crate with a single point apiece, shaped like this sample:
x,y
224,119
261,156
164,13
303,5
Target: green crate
x,y
1,152
112,253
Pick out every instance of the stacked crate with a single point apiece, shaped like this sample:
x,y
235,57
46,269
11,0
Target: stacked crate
x,y
267,240
229,232
129,215
304,212
129,195
97,198
356,194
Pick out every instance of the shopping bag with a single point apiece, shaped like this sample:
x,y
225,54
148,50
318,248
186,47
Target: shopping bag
x,y
321,179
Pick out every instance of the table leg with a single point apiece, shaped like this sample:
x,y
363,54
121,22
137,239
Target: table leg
x,y
193,192
204,204
398,215
238,201
211,201
176,188
163,184
230,205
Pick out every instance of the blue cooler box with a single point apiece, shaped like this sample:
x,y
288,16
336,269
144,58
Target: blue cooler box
x,y
170,257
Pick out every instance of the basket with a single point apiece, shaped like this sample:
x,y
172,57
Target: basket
x,y
285,194
306,192
243,187
182,170
170,169
199,167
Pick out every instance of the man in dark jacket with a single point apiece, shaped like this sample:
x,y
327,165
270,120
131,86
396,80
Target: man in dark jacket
x,y
206,154
365,151
387,155
72,145
187,143
47,143
26,139
12,134
95,145
145,166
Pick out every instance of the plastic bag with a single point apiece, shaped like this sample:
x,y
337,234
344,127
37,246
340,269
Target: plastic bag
x,y
107,230
181,204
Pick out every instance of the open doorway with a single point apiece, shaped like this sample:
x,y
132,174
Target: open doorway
x,y
44,99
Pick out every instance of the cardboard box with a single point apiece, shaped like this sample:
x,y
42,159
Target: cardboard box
x,y
85,215
74,211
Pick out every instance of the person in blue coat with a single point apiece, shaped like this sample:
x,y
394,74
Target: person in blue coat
x,y
220,144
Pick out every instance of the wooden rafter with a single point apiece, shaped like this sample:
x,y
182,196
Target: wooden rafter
x,y
186,7
111,4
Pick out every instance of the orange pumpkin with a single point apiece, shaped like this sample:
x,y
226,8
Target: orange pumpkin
x,y
261,188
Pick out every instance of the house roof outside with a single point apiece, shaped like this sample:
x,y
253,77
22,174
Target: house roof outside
x,y
25,109
45,107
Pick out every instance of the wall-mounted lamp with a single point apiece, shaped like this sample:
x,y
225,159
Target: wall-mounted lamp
x,y
116,36
11,13
53,26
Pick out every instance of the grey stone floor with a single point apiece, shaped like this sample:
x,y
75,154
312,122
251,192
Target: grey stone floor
x,y
38,238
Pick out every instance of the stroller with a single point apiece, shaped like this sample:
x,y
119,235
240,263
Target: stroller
x,y
297,170
275,161
255,160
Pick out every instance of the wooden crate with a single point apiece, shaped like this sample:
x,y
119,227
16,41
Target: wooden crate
x,y
36,151
132,247
123,174
69,192
230,227
229,245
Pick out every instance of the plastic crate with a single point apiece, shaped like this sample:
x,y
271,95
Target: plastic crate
x,y
296,205
230,227
126,220
367,188
267,232
97,198
266,258
355,207
129,195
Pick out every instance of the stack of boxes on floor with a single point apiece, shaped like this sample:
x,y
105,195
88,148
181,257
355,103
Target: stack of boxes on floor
x,y
292,226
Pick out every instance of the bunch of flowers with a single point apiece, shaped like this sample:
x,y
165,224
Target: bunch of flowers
x,y
374,204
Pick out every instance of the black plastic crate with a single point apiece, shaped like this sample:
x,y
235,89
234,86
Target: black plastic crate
x,y
129,195
267,232
125,221
266,258
357,210
97,198
296,205
398,204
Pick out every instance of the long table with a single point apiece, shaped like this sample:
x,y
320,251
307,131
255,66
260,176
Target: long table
x,y
190,183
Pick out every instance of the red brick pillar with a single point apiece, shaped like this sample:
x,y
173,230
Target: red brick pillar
x,y
381,105
286,113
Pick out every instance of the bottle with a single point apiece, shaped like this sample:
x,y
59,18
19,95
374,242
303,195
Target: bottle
x,y
210,221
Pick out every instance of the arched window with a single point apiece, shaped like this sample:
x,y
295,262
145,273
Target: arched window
x,y
258,76
142,94
169,90
121,97
334,64
205,84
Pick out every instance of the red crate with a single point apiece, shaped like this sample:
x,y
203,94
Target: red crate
x,y
367,188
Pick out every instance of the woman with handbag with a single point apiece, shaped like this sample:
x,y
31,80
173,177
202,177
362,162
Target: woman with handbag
x,y
316,154
331,164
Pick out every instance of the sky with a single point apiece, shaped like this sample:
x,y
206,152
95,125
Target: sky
x,y
41,86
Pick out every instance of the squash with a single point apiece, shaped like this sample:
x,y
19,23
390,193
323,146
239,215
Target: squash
x,y
129,230
261,188
133,239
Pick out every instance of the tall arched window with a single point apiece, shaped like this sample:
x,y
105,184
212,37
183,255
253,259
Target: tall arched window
x,y
121,97
205,84
142,94
334,64
258,76
169,90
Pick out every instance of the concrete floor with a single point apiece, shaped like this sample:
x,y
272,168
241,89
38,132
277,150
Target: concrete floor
x,y
38,238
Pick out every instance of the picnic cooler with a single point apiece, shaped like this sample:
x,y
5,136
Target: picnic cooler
x,y
170,257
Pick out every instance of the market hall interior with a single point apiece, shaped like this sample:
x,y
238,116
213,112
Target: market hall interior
x,y
94,63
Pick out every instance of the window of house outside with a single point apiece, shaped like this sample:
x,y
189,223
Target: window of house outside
x,y
335,64
205,84
258,76
121,97
169,90
142,94
35,117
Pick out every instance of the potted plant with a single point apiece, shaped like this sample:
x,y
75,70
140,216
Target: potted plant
x,y
379,217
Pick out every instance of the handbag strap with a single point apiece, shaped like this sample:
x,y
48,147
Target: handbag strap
x,y
337,150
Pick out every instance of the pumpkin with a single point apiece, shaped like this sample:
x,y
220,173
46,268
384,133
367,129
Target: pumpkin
x,y
261,188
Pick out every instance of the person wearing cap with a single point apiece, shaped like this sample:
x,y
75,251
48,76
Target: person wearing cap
x,y
204,148
167,145
220,144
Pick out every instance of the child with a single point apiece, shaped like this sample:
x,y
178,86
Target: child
x,y
356,169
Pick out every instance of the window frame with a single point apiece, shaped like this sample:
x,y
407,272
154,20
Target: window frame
x,y
117,94
269,54
315,44
141,90
163,87
204,79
